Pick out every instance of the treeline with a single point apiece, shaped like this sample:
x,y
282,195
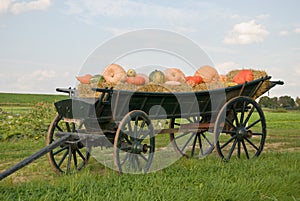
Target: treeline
x,y
285,102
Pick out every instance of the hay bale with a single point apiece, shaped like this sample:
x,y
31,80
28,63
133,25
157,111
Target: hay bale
x,y
85,90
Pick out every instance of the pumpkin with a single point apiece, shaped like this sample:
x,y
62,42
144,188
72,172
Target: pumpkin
x,y
157,77
144,76
174,74
243,76
85,79
137,80
193,80
131,73
113,73
208,73
174,83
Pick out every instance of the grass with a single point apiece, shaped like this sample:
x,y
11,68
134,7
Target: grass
x,y
272,176
10,99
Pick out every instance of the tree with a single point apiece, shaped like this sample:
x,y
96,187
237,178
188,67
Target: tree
x,y
286,102
267,102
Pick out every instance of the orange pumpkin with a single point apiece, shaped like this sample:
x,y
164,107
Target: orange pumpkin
x,y
144,76
85,79
243,76
174,74
208,73
137,80
193,80
113,73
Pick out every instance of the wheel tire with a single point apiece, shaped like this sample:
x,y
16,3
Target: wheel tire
x,y
134,143
240,126
72,155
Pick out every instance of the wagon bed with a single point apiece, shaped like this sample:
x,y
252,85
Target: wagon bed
x,y
226,119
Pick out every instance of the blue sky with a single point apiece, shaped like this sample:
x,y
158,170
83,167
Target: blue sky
x,y
43,43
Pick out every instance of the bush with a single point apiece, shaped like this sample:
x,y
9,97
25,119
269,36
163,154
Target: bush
x,y
31,125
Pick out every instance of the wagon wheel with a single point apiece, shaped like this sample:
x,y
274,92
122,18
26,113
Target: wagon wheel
x,y
244,132
134,143
194,144
72,155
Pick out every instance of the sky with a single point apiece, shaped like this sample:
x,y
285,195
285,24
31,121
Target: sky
x,y
44,43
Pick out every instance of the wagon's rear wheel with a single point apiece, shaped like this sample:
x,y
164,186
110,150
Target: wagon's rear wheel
x,y
189,143
72,155
134,143
240,129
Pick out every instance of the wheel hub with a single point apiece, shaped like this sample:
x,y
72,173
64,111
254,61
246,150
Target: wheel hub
x,y
139,148
242,132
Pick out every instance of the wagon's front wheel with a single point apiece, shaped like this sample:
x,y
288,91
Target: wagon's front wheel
x,y
240,129
134,143
70,156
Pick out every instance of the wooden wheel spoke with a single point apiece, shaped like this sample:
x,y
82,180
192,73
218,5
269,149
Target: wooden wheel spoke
x,y
59,128
80,154
68,126
230,140
63,158
243,112
245,149
73,127
248,116
145,135
228,132
191,121
194,145
253,124
235,116
177,124
239,149
60,150
232,149
200,144
69,159
143,157
256,133
141,128
187,142
126,138
207,140
74,158
251,143
230,122
181,135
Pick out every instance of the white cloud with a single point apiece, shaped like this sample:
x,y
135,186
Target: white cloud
x,y
246,33
297,30
20,7
4,5
284,33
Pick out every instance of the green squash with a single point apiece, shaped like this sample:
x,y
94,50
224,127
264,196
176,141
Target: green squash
x,y
157,77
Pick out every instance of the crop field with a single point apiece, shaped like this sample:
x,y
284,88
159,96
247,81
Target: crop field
x,y
274,175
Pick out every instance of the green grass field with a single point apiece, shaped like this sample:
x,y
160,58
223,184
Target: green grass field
x,y
274,175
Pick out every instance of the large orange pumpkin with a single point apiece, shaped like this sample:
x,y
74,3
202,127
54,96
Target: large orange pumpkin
x,y
209,74
243,76
114,73
84,79
174,74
